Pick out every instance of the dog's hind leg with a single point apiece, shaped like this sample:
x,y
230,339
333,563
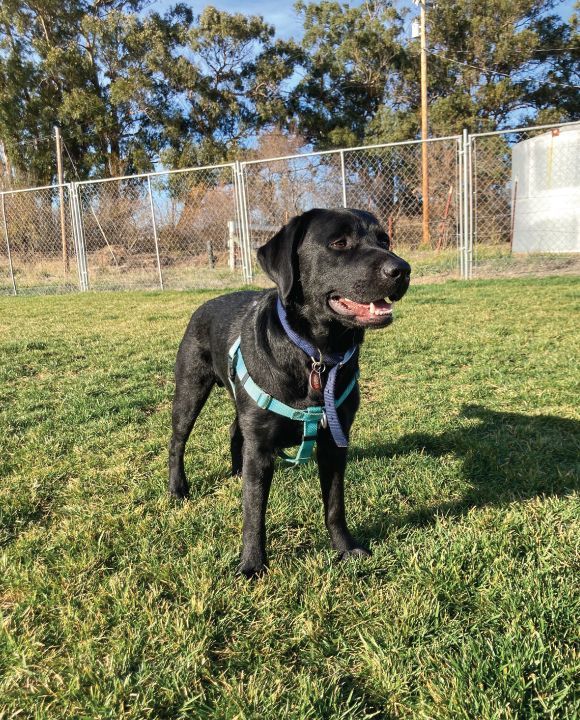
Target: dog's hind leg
x,y
236,446
194,379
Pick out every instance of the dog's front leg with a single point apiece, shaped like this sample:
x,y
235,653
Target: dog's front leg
x,y
258,468
332,465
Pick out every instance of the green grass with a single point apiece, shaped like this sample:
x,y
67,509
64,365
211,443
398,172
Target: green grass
x,y
116,603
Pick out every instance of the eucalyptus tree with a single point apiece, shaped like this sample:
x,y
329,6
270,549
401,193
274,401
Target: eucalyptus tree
x,y
228,75
491,63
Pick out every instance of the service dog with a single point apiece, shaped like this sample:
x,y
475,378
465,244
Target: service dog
x,y
335,277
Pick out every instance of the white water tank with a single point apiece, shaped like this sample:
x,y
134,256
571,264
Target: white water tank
x,y
546,192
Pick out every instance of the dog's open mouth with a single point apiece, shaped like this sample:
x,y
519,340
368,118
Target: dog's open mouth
x,y
377,312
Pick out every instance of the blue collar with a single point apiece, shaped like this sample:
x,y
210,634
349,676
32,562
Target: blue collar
x,y
335,360
311,418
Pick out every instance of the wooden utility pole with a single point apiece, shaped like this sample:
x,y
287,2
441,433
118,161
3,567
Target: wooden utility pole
x,y
424,128
58,142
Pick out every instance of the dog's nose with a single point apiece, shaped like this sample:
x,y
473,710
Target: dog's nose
x,y
397,269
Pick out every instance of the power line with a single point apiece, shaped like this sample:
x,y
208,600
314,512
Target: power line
x,y
566,49
71,160
537,50
34,140
496,72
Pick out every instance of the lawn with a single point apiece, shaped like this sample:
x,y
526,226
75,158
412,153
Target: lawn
x,y
117,603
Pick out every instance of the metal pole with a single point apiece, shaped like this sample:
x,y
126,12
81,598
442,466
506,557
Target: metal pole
x,y
238,205
245,240
343,178
424,129
461,199
246,226
82,255
470,205
71,205
154,231
465,273
232,244
76,235
513,217
82,242
65,256
238,208
14,291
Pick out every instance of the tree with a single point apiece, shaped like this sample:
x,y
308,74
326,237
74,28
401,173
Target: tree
x,y
129,88
227,72
352,61
498,60
491,62
83,65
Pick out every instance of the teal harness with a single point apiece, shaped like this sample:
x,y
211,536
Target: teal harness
x,y
312,417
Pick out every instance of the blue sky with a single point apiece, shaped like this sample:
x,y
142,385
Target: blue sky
x,y
282,15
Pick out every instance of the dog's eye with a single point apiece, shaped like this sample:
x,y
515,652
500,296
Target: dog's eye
x,y
339,244
383,241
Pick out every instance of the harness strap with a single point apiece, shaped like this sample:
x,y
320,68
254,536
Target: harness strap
x,y
311,417
335,360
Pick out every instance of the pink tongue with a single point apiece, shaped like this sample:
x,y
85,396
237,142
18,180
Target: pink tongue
x,y
362,309
382,305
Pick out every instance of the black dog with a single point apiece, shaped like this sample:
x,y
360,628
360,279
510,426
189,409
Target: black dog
x,y
333,270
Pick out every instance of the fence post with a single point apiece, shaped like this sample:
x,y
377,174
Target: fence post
x,y
470,209
343,174
78,237
460,201
154,231
466,201
244,225
71,208
10,267
232,244
238,207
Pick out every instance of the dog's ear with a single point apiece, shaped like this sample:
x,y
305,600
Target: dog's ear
x,y
279,258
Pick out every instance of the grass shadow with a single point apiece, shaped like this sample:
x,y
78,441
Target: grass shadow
x,y
507,457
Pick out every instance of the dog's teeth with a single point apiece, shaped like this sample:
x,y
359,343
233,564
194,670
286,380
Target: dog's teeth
x,y
372,308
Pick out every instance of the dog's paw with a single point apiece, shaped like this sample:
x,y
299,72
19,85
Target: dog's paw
x,y
252,570
355,552
179,494
178,486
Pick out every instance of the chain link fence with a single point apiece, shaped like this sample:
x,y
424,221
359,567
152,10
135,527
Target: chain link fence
x,y
38,253
383,179
387,181
499,203
164,230
525,201
278,189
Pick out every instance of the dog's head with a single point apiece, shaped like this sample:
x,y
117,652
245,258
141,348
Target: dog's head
x,y
337,265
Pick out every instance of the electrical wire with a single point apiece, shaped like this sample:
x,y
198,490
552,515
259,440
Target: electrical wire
x,y
537,50
497,72
34,140
72,162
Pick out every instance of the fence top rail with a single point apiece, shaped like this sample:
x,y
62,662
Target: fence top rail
x,y
33,189
525,129
339,151
156,174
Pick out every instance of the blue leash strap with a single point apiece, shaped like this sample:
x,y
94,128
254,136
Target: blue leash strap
x,y
336,360
311,417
